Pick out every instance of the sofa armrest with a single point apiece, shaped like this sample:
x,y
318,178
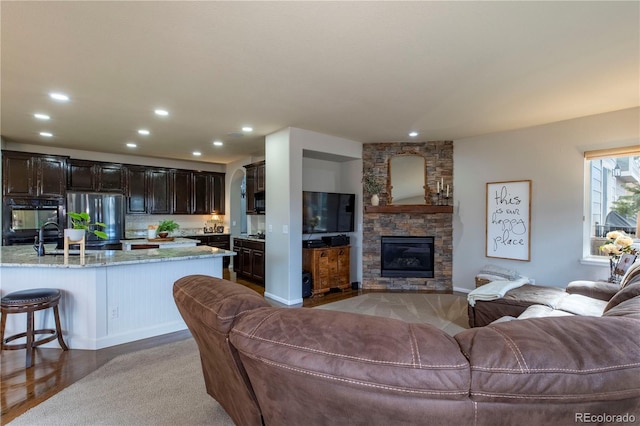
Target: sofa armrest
x,y
595,289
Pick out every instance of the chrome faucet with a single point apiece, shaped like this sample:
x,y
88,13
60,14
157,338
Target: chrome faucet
x,y
38,245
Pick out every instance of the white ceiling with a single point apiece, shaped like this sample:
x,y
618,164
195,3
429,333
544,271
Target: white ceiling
x,y
367,71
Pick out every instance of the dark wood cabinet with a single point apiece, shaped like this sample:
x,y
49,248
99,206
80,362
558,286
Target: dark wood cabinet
x,y
18,174
110,177
208,193
259,172
159,201
80,176
83,175
33,175
255,183
249,262
136,189
148,190
202,185
218,193
51,176
222,241
181,191
329,267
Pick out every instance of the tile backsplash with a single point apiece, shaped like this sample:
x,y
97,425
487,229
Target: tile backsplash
x,y
136,225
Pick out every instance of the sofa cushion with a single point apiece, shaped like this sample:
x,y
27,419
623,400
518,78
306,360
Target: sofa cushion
x,y
301,361
514,303
632,275
629,308
569,359
629,291
595,289
342,348
540,311
581,305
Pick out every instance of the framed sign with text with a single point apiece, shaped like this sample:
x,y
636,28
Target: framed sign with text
x,y
508,220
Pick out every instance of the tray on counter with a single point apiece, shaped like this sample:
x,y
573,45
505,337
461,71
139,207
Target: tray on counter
x,y
159,240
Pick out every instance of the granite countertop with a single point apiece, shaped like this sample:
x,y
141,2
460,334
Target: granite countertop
x,y
25,256
176,240
248,237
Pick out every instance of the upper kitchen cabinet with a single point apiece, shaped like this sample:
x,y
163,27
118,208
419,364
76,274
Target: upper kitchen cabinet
x,y
94,176
136,189
202,188
33,175
208,193
155,190
182,191
218,193
160,197
255,187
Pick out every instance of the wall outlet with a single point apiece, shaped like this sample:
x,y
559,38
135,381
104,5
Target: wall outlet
x,y
114,314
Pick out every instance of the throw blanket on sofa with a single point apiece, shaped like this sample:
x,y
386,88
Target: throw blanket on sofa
x,y
494,290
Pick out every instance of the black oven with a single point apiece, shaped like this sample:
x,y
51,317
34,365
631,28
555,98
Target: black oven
x,y
23,217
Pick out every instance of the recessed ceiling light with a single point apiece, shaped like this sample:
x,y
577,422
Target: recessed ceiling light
x,y
59,96
217,143
46,134
197,153
413,134
247,129
163,112
144,132
131,145
41,116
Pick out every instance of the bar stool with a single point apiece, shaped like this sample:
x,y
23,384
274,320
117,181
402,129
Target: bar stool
x,y
30,301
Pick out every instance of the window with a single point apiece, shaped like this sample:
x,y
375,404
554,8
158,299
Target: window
x,y
613,195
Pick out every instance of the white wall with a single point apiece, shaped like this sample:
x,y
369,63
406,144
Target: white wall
x,y
284,153
552,156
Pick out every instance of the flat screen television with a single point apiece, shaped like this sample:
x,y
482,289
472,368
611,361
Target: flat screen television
x,y
325,212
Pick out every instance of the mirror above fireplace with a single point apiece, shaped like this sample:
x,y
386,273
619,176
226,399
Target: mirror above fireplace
x,y
407,179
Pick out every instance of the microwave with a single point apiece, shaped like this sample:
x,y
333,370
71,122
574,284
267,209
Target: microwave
x,y
259,204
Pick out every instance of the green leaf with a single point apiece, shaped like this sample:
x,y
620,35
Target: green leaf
x,y
100,234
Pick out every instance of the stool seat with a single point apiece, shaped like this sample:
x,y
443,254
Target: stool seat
x,y
30,297
30,301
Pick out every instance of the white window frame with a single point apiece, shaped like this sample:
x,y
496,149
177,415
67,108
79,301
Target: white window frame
x,y
632,150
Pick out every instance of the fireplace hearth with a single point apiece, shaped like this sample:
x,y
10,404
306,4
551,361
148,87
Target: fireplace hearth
x,y
407,257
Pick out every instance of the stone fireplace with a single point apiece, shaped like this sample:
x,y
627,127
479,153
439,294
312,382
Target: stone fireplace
x,y
436,222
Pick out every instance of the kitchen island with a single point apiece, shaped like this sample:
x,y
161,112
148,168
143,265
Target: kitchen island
x,y
115,297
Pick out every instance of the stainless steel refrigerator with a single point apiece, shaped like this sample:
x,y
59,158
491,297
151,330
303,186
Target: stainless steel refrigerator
x,y
105,208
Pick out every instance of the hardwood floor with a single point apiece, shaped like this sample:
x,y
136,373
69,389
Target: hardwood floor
x,y
54,369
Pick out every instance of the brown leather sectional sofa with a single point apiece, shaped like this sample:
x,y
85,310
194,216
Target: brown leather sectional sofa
x,y
583,298
300,366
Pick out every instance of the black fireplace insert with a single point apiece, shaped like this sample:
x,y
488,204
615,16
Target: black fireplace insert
x,y
407,257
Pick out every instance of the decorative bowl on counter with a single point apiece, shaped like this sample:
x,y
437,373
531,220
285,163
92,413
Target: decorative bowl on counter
x,y
163,234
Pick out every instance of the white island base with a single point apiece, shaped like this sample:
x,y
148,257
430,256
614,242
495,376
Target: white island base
x,y
108,305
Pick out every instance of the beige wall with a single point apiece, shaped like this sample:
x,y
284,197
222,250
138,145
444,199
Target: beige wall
x,y
552,157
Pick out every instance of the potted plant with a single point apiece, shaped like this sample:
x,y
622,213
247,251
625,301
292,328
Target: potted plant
x,y
372,186
165,227
80,224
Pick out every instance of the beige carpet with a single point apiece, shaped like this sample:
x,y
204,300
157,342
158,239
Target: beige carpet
x,y
158,386
448,312
164,385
